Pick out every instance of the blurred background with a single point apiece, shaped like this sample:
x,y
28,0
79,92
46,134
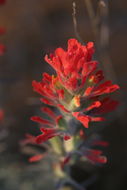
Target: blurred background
x,y
35,28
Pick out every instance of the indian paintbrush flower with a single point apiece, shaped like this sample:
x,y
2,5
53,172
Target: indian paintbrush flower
x,y
78,88
79,92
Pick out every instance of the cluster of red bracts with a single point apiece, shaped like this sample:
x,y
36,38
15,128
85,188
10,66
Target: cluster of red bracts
x,y
2,32
78,90
75,65
89,152
49,128
92,155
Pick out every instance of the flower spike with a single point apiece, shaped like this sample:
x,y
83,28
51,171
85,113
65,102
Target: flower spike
x,y
80,92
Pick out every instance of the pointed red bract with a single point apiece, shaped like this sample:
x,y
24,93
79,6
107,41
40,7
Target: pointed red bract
x,y
47,77
36,158
63,108
88,91
84,119
40,120
47,134
49,112
93,105
48,89
105,88
97,159
48,102
107,105
100,143
95,156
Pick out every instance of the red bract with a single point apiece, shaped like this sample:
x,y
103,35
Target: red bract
x,y
49,112
36,158
48,133
48,89
100,143
97,159
107,105
95,156
85,119
41,121
48,128
63,108
104,88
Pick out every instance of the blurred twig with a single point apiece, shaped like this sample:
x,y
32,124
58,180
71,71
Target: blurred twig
x,y
104,41
92,17
75,22
99,22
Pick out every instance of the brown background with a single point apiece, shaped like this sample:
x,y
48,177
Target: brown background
x,y
37,27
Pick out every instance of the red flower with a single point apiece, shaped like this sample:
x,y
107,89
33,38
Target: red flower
x,y
76,90
74,65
